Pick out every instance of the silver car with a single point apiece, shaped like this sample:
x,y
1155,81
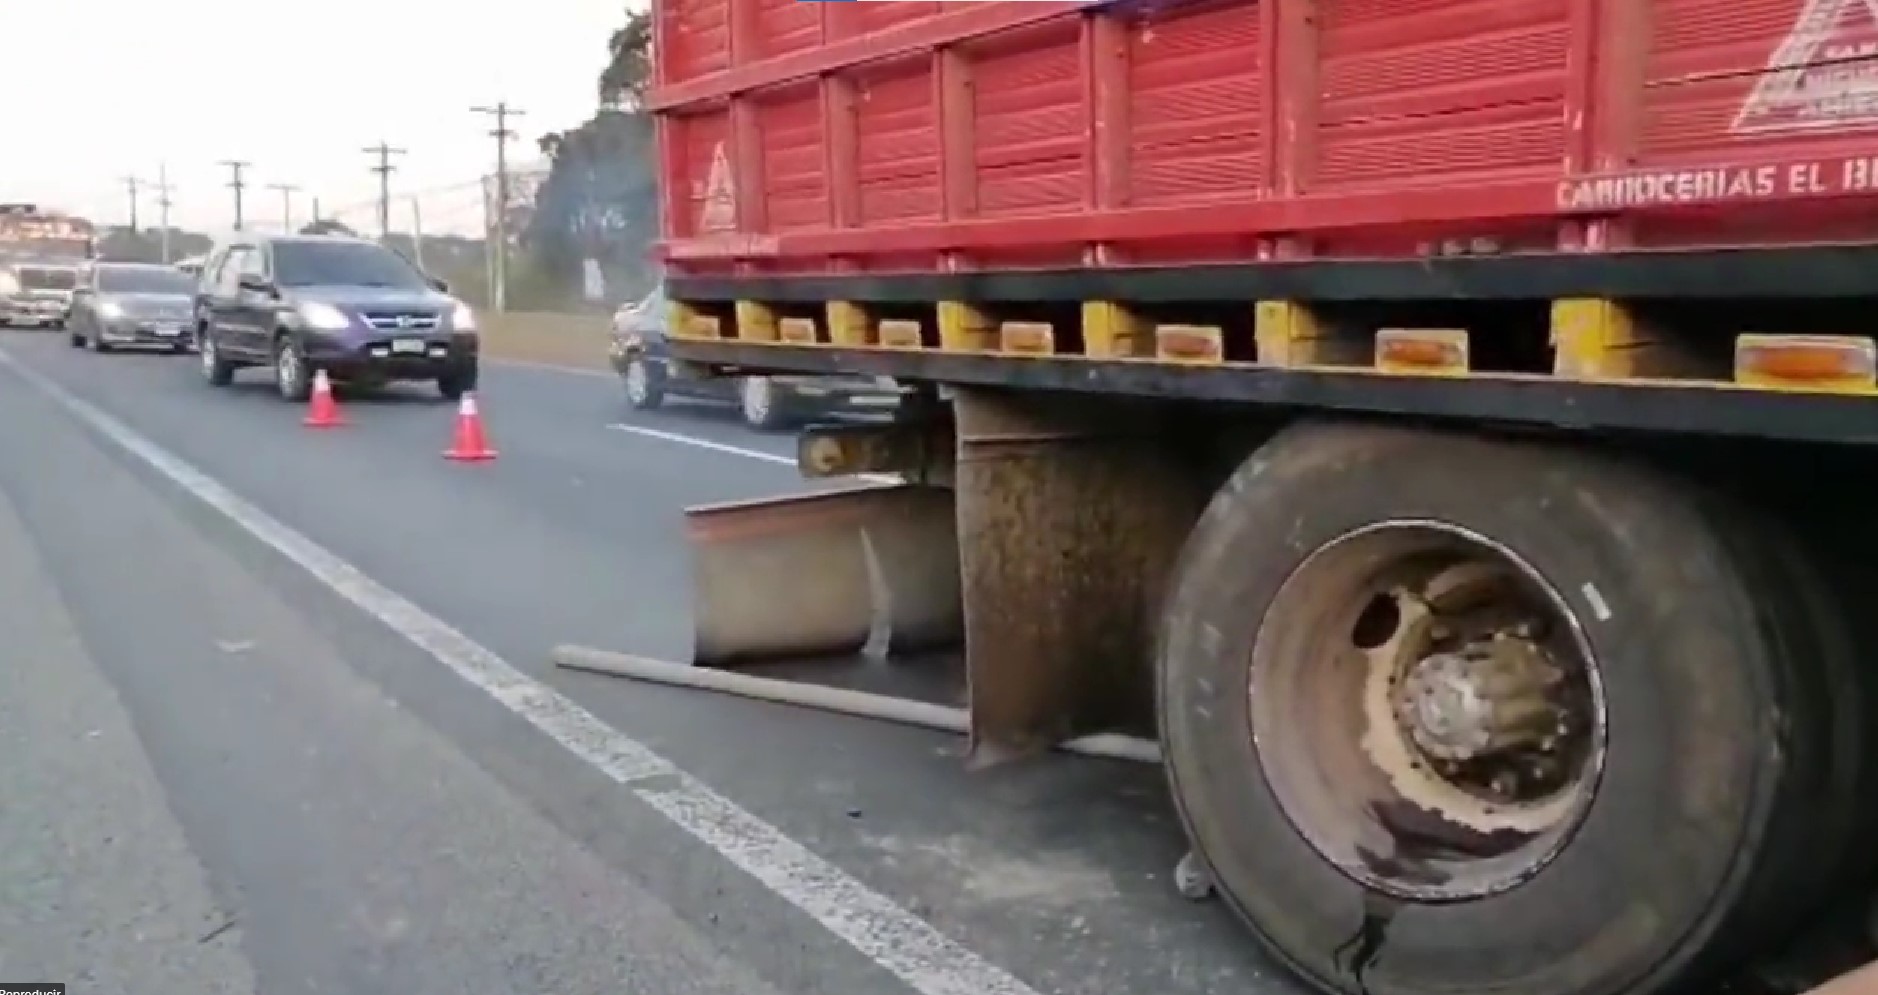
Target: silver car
x,y
642,356
132,304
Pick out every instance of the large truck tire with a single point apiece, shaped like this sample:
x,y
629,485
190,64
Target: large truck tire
x,y
1446,713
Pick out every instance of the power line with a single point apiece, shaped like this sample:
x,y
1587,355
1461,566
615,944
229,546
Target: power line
x,y
384,169
499,260
479,185
286,191
237,184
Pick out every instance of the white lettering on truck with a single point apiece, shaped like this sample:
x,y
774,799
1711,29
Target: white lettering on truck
x,y
1825,177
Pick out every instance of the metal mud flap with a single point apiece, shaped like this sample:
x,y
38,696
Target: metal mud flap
x,y
818,574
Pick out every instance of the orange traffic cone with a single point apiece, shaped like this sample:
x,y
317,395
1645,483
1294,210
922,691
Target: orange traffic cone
x,y
322,410
471,445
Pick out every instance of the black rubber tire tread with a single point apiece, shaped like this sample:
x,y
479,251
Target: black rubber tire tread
x,y
1822,834
777,417
1651,890
223,374
302,390
1824,556
454,384
655,388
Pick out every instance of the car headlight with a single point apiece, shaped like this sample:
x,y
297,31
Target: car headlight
x,y
463,319
324,317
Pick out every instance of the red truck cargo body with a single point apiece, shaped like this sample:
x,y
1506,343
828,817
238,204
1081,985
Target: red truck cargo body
x,y
851,137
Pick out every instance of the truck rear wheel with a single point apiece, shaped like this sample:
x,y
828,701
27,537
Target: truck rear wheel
x,y
1443,713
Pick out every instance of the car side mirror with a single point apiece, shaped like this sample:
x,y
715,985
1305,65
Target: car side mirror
x,y
257,285
439,284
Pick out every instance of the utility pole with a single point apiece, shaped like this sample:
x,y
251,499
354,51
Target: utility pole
x,y
384,169
131,183
316,210
499,289
163,210
237,184
417,232
286,191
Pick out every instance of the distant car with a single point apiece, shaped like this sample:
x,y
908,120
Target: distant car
x,y
36,294
642,356
131,304
359,311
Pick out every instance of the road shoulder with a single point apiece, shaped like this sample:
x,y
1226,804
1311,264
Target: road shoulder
x,y
98,886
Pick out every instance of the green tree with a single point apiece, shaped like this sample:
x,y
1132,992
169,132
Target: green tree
x,y
599,200
629,63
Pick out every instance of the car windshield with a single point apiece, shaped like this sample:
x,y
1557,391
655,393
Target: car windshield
x,y
48,279
343,264
143,280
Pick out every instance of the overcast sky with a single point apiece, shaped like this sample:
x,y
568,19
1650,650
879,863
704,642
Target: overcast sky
x,y
100,89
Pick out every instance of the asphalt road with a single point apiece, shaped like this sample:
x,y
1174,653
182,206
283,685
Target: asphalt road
x,y
278,718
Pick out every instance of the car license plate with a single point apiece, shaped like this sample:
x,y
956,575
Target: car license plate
x,y
408,347
169,331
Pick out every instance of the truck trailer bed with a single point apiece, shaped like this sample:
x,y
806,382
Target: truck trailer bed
x,y
1556,712
1289,203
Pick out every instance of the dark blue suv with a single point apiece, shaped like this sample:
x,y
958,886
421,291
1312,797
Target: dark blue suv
x,y
359,311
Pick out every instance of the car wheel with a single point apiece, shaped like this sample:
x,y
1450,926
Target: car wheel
x,y
757,399
290,373
99,345
454,384
643,390
217,371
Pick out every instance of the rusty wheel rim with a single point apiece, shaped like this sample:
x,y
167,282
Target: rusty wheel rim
x,y
1427,711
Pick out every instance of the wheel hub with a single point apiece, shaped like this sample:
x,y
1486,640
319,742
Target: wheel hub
x,y
1485,698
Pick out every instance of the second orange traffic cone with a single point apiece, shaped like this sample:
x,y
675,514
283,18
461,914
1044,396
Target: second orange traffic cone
x,y
470,444
322,410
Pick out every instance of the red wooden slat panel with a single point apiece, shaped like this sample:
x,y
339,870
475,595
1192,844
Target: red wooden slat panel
x,y
1195,104
1030,119
795,186
898,135
697,32
1397,122
1441,90
784,27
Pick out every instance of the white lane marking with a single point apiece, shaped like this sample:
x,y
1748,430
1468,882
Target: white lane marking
x,y
716,447
719,447
895,939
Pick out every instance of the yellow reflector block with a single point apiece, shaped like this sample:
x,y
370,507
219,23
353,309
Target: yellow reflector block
x,y
1433,351
1190,343
898,333
1031,338
1844,364
797,330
